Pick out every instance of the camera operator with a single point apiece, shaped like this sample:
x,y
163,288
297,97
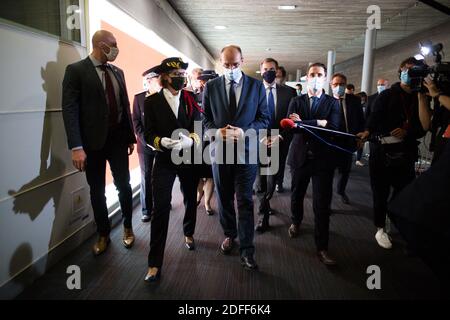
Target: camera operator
x,y
394,127
440,125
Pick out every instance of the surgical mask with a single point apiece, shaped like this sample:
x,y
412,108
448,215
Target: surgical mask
x,y
315,84
380,89
178,83
233,74
269,76
339,91
113,53
405,78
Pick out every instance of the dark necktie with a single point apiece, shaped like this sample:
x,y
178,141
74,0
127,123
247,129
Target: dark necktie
x,y
315,103
111,97
344,116
271,106
232,100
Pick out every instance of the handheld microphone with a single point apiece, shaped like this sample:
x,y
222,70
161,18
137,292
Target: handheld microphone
x,y
290,124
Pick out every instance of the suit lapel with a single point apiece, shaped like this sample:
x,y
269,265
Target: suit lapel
x,y
90,69
308,112
243,96
224,96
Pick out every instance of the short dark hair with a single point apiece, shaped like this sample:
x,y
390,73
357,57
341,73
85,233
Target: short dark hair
x,y
350,86
283,71
232,46
410,60
299,85
316,64
340,75
362,94
269,60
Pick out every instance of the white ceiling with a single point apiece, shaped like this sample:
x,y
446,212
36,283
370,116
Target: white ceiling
x,y
304,35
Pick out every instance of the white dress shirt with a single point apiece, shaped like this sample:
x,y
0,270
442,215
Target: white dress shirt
x,y
173,101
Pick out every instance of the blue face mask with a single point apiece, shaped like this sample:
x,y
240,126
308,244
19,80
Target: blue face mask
x,y
339,91
405,78
381,89
233,74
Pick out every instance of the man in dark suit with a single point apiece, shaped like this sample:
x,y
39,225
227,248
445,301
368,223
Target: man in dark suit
x,y
278,99
382,85
352,121
170,117
310,158
234,104
145,153
97,119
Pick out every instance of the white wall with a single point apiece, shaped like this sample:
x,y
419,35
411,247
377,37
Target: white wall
x,y
37,176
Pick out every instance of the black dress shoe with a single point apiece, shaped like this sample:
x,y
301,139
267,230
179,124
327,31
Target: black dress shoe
x,y
345,199
152,277
262,226
146,218
189,243
249,263
227,246
326,259
280,188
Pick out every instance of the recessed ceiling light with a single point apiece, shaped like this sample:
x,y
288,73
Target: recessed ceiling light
x,y
220,27
268,49
258,72
287,7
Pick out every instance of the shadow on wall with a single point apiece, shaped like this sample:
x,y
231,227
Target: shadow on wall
x,y
22,258
33,196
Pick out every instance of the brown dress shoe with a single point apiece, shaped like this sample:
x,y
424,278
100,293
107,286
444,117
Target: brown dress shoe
x,y
294,230
101,245
128,238
227,245
326,259
153,274
189,243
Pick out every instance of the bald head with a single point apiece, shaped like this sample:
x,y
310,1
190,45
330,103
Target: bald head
x,y
103,36
231,57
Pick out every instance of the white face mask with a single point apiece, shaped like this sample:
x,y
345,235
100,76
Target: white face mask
x,y
315,84
233,74
113,53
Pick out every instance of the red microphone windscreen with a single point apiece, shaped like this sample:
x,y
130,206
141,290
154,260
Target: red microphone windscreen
x,y
287,124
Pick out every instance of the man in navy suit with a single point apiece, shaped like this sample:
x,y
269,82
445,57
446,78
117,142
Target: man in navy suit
x,y
311,159
235,106
352,121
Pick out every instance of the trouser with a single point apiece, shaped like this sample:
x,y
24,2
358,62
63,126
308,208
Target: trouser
x,y
322,182
383,178
116,153
267,185
231,180
344,166
359,154
163,178
146,160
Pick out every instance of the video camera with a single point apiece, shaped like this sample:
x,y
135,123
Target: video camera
x,y
439,72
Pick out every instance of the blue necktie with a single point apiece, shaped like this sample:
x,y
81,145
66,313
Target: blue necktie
x,y
232,100
315,103
271,106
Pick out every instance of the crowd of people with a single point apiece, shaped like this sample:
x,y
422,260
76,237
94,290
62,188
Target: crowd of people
x,y
328,136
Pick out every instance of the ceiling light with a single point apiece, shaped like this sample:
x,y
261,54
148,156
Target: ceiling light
x,y
258,72
220,27
287,7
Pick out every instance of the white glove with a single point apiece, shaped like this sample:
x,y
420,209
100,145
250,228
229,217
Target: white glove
x,y
184,142
169,143
322,123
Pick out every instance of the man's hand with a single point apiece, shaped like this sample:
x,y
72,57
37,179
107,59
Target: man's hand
x,y
398,133
130,149
295,117
79,159
363,135
272,141
231,134
322,123
431,86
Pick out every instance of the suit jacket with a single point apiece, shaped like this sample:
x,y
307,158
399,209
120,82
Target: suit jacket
x,y
355,121
138,122
252,112
304,145
370,103
85,110
160,122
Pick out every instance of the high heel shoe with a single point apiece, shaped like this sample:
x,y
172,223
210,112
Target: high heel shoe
x,y
152,275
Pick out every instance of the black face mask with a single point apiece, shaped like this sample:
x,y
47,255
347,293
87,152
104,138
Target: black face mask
x,y
178,83
270,76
